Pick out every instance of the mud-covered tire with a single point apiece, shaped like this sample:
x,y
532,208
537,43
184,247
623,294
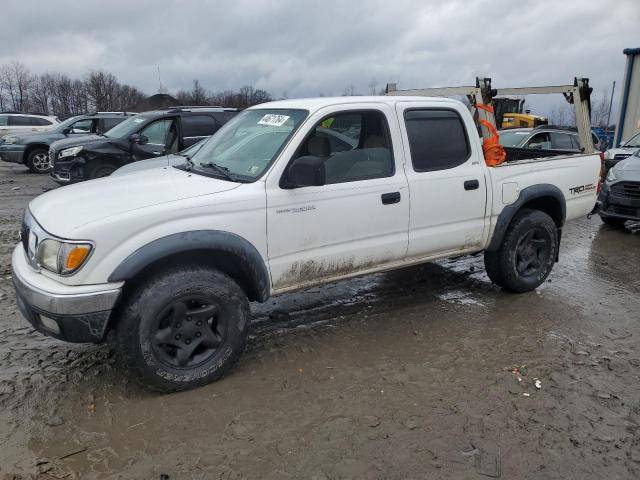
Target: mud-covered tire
x,y
527,254
614,221
38,161
101,170
168,316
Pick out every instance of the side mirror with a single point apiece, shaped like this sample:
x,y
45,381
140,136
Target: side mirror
x,y
621,144
66,131
139,139
306,171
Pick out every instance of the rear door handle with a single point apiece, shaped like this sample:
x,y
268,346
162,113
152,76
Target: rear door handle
x,y
389,198
471,184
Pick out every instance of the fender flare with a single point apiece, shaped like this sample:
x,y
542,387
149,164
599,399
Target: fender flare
x,y
534,192
246,258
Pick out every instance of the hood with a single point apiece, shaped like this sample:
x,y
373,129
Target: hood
x,y
166,161
77,141
628,170
622,151
64,210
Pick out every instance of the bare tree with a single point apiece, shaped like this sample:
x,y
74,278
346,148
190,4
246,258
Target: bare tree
x,y
102,89
41,93
16,82
349,90
128,97
600,110
562,115
373,87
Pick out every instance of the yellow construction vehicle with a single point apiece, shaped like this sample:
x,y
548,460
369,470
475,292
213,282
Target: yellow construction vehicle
x,y
509,114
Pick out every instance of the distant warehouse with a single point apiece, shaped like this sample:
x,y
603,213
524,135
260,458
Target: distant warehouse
x,y
628,123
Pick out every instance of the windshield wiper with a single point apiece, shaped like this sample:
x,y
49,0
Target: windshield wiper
x,y
224,171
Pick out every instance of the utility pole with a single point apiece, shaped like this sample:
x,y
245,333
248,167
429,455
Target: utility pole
x,y
606,127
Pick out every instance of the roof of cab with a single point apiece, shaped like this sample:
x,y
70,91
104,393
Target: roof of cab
x,y
316,103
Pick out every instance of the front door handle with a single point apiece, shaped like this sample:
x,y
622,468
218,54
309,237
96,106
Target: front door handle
x,y
389,198
471,184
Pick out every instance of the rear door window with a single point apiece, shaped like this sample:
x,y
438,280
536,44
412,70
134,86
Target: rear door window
x,y
561,141
19,121
198,126
40,122
437,139
109,123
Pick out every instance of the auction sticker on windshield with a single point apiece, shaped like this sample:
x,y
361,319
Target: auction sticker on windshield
x,y
273,120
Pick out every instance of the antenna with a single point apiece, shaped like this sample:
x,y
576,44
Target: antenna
x,y
161,89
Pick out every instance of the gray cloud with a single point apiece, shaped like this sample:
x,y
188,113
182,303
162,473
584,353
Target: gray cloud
x,y
307,48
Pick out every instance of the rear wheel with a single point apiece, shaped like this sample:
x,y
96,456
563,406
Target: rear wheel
x,y
184,328
101,170
526,256
38,160
614,221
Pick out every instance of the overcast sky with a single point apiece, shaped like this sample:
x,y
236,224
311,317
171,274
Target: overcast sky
x,y
296,48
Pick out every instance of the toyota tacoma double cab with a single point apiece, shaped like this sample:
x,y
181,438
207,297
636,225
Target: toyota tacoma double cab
x,y
286,195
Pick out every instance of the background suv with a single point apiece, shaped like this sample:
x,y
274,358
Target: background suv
x,y
626,149
32,149
546,137
15,122
146,135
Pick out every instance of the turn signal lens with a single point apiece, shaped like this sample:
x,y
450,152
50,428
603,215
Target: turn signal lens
x,y
75,256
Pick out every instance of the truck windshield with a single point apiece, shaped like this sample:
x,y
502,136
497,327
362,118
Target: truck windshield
x,y
634,142
245,146
126,128
513,138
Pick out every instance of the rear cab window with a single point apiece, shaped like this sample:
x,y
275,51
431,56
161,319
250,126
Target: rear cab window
x,y
437,139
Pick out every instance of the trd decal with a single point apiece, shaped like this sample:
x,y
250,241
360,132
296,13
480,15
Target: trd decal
x,y
582,188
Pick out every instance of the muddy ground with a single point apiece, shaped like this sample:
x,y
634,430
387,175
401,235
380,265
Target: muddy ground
x,y
402,375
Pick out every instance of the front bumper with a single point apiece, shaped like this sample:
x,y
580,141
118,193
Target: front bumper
x,y
12,153
76,314
68,171
617,206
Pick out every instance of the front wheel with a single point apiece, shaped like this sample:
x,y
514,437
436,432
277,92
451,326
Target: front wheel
x,y
182,329
38,161
526,256
101,170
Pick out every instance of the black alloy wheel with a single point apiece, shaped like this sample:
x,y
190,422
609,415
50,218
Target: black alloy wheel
x,y
532,252
188,331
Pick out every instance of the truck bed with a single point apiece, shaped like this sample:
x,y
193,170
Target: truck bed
x,y
517,153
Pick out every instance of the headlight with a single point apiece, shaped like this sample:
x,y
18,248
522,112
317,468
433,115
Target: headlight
x,y
62,257
607,155
611,177
10,140
70,152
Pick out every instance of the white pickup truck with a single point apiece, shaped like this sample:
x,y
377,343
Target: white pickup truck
x,y
286,195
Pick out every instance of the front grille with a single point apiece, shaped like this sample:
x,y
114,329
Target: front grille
x,y
621,156
627,211
626,189
52,157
